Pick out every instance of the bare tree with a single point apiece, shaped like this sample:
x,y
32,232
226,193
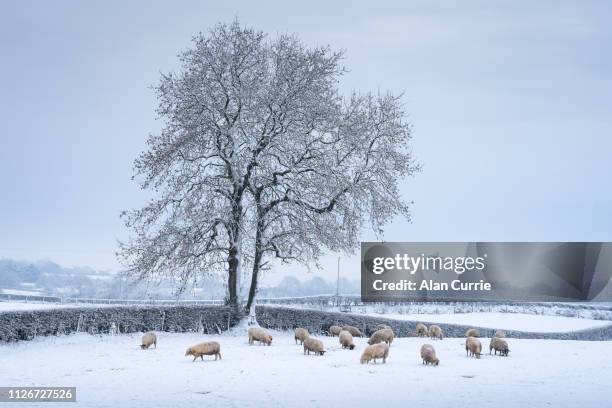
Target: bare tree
x,y
260,149
319,193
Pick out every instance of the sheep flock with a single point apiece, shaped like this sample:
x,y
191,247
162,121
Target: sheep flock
x,y
378,345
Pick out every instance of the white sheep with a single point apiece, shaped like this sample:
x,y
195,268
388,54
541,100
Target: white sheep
x,y
384,335
334,330
382,326
147,339
353,330
435,332
428,354
314,345
259,334
374,352
499,344
300,334
500,333
472,333
209,348
473,347
346,340
421,330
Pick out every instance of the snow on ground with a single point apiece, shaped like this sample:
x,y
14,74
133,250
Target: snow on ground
x,y
18,306
112,371
506,321
25,306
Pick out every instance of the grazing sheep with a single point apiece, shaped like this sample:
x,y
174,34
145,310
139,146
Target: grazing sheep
x,y
384,335
301,334
260,334
204,349
472,333
500,333
314,345
334,330
353,330
147,339
421,330
473,347
346,340
428,354
435,332
375,351
499,344
381,327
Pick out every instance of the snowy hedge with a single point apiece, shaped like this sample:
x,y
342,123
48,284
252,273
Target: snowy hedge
x,y
25,325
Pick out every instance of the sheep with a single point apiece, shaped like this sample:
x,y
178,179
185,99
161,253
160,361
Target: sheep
x,y
500,333
301,334
421,330
260,334
375,351
334,330
435,332
346,340
384,335
473,347
499,344
381,327
314,345
353,330
204,349
428,354
472,333
147,339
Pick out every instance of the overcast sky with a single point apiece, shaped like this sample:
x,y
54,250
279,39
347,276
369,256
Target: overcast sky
x,y
510,103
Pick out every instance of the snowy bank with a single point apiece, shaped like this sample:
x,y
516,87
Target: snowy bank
x,y
25,306
506,321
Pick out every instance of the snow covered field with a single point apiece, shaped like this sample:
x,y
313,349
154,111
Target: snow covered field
x,y
112,371
17,306
507,321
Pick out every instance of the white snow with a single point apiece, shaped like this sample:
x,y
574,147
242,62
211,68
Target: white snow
x,y
17,306
112,371
19,292
506,321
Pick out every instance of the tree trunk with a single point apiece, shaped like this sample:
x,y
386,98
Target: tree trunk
x,y
258,255
234,255
254,277
232,281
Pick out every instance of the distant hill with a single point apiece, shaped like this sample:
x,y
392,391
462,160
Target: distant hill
x,y
50,278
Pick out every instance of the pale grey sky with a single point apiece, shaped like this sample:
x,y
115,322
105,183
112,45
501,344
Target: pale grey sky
x,y
510,102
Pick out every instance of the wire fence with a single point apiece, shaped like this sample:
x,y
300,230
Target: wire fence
x,y
94,301
324,299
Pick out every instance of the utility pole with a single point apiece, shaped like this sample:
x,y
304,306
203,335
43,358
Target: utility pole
x,y
338,285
